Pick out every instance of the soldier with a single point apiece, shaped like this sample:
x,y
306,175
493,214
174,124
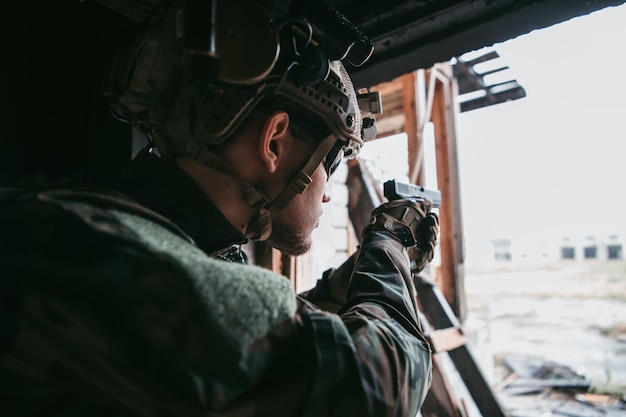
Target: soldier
x,y
137,300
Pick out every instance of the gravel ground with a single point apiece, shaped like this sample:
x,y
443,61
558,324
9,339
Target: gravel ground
x,y
571,313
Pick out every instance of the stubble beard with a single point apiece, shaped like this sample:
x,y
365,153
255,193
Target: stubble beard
x,y
288,241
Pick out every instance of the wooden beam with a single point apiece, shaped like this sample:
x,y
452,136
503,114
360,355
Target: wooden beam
x,y
364,194
442,329
412,127
411,102
441,399
274,260
288,266
450,275
446,339
390,87
268,257
391,121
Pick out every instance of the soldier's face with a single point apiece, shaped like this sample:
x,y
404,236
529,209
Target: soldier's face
x,y
293,226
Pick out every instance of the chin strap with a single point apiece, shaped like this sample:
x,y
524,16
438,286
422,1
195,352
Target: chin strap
x,y
303,177
260,228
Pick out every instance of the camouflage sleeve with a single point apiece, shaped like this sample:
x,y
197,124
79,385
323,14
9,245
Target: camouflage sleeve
x,y
108,314
391,360
330,291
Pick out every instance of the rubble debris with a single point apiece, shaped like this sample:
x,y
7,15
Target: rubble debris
x,y
535,387
596,399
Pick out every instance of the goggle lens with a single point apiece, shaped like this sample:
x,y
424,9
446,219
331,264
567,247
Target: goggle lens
x,y
333,159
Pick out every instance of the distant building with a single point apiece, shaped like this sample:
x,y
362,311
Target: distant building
x,y
529,250
502,250
614,247
592,247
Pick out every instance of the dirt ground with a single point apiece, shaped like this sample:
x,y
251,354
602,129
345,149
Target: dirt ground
x,y
571,313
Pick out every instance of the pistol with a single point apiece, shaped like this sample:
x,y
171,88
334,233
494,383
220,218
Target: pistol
x,y
395,190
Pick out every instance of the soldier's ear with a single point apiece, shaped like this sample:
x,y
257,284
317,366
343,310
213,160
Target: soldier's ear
x,y
273,139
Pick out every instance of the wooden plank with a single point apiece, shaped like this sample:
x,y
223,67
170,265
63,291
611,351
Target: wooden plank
x,y
274,260
450,274
288,266
447,339
390,87
267,257
442,321
476,384
441,400
566,383
391,120
434,305
364,194
412,127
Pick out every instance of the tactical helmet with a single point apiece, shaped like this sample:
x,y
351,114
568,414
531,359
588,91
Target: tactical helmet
x,y
199,71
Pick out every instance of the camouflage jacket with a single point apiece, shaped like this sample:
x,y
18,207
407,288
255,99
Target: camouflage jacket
x,y
109,309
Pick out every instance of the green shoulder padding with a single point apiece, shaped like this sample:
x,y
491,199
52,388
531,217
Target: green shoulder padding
x,y
244,301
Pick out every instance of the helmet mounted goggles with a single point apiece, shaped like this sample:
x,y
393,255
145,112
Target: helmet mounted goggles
x,y
196,75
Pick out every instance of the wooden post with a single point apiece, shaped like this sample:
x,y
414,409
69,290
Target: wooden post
x,y
290,266
268,257
412,127
411,102
450,276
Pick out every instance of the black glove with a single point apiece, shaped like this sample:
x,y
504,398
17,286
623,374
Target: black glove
x,y
412,223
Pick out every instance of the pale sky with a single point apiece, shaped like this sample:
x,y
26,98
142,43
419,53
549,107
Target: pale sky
x,y
552,162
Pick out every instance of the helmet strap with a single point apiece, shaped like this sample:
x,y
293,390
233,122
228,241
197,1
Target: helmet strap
x,y
260,228
303,178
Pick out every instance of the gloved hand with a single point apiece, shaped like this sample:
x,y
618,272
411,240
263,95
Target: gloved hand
x,y
412,223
